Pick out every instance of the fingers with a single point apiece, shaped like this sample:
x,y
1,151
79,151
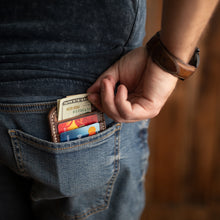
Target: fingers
x,y
101,93
120,107
108,99
105,100
95,99
122,104
111,74
96,91
117,107
144,91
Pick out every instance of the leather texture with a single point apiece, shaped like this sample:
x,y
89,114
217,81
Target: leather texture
x,y
53,122
168,62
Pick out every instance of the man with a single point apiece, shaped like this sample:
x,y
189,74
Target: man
x,y
53,49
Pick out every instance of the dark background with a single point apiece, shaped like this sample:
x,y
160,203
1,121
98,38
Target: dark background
x,y
183,181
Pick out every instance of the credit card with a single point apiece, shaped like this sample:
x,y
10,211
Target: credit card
x,y
76,123
80,132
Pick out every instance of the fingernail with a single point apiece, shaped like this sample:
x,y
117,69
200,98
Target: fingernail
x,y
106,77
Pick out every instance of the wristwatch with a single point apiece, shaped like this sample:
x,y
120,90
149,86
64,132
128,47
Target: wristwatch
x,y
168,62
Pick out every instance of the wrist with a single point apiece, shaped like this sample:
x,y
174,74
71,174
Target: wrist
x,y
178,45
160,74
169,62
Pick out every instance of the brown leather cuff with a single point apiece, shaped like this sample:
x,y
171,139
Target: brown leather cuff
x,y
168,62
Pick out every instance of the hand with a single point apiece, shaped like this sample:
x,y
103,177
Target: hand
x,y
143,90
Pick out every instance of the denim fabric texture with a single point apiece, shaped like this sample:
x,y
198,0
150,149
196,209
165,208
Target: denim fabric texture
x,y
50,49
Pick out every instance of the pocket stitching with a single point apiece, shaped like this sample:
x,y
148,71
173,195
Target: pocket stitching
x,y
110,183
41,145
18,155
108,190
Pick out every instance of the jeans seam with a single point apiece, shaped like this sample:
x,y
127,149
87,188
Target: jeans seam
x,y
63,148
110,183
26,111
9,108
108,190
19,158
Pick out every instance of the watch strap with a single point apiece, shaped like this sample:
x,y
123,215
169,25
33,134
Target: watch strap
x,y
168,62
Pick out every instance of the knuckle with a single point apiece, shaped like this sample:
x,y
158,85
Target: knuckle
x,y
125,115
155,112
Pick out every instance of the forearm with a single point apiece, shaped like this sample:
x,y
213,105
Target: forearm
x,y
183,22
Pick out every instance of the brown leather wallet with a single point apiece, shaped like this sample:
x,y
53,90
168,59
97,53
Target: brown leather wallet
x,y
54,123
168,62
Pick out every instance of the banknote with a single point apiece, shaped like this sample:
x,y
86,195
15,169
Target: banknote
x,y
72,106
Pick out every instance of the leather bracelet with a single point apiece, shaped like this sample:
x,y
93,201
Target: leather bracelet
x,y
168,62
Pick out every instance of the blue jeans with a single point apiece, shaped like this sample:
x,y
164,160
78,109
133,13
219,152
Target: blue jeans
x,y
97,177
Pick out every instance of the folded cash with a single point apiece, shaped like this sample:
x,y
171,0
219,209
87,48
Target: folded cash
x,y
72,106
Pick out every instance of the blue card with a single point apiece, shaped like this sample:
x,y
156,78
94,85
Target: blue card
x,y
80,132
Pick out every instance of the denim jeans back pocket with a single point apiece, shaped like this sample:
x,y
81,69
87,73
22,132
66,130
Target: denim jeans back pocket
x,y
83,170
